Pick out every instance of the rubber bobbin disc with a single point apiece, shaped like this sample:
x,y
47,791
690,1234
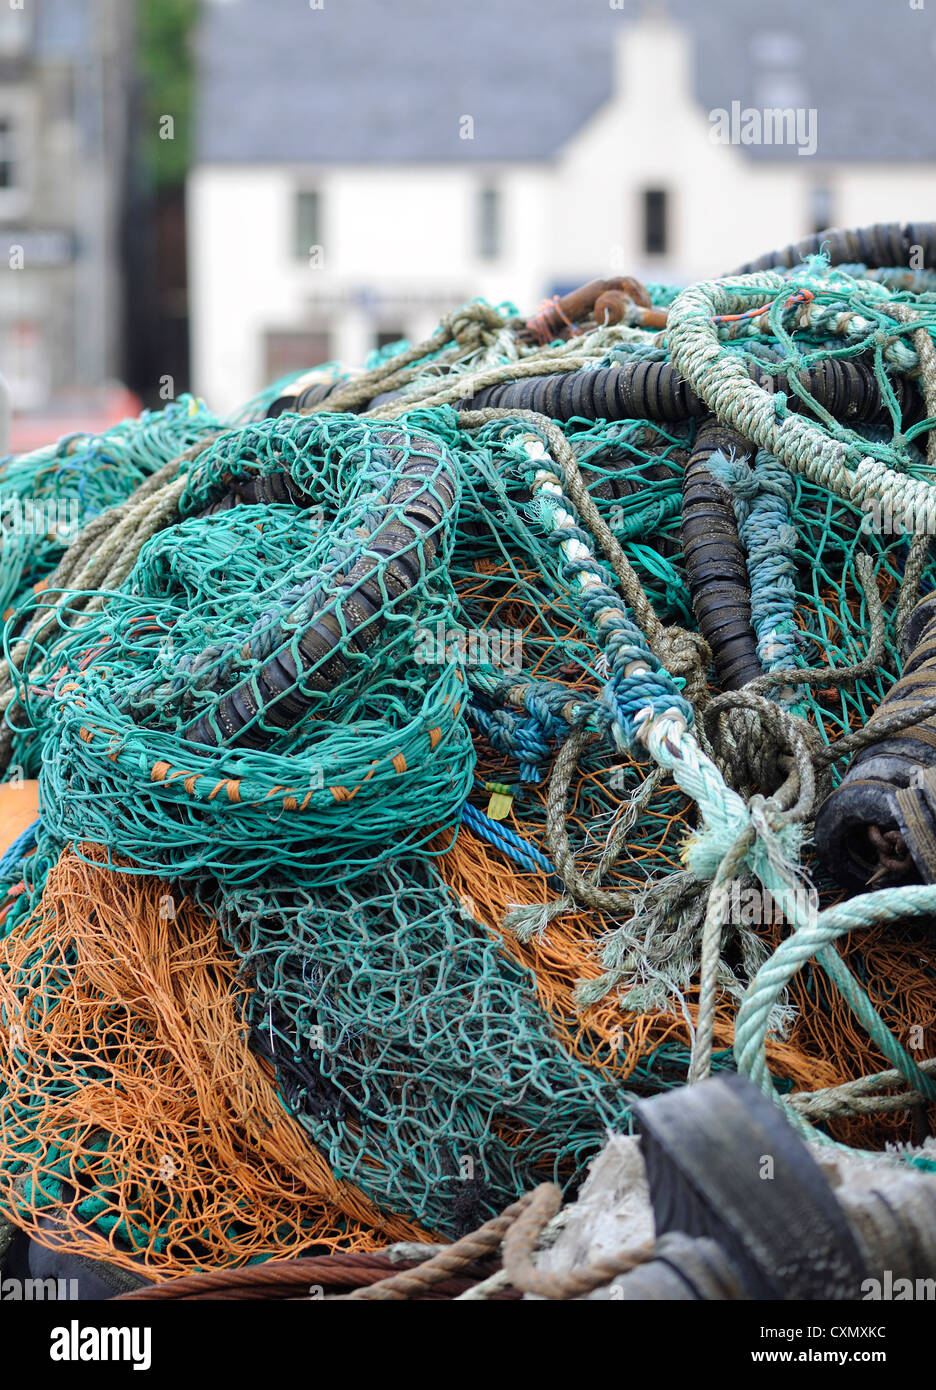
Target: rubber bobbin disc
x,y
722,1162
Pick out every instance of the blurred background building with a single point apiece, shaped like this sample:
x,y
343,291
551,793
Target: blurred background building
x,y
65,70
213,193
361,167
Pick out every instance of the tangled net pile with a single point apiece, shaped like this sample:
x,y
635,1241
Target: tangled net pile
x,y
394,815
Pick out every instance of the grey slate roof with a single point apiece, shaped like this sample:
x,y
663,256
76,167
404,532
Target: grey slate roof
x,y
387,80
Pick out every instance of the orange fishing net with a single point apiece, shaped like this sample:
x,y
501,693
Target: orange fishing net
x,y
825,1048
19,807
133,1103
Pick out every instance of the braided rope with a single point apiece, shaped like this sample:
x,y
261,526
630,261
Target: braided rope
x,y
721,380
859,1097
816,939
453,1259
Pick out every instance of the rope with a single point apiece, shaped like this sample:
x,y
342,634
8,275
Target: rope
x,y
859,1097
815,939
464,1252
721,381
292,1279
265,677
521,1240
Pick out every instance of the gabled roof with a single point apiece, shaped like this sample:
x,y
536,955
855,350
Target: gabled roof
x,y
388,80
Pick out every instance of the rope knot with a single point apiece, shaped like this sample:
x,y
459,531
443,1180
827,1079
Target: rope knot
x,y
757,743
686,655
475,325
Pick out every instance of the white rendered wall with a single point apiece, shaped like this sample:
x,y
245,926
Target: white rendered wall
x,y
398,243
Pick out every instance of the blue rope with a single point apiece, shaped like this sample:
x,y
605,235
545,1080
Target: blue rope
x,y
504,839
763,500
23,844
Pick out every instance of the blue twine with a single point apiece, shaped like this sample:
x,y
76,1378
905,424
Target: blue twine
x,y
763,499
23,844
504,839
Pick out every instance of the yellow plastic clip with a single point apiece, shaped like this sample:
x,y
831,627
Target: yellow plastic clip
x,y
501,800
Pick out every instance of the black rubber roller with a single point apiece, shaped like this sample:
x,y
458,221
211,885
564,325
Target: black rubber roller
x,y
303,400
724,1165
878,827
878,247
616,485
715,561
294,666
261,490
655,391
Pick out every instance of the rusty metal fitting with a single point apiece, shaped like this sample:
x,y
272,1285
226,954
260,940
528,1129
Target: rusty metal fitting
x,y
559,316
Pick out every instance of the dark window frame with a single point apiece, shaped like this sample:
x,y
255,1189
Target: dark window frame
x,y
308,230
8,155
489,223
655,225
821,205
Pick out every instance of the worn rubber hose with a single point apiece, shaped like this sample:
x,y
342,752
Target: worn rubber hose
x,y
715,562
256,489
880,822
879,246
618,485
302,654
305,399
655,391
704,1147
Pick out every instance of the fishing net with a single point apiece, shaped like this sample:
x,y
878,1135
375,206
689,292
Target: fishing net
x,y
138,1121
47,496
403,713
396,987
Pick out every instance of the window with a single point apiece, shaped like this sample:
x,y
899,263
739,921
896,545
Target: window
x,y
26,355
776,49
488,231
308,222
655,229
15,27
782,91
777,81
7,153
820,209
16,132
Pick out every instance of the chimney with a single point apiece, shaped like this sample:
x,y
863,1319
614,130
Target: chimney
x,y
653,58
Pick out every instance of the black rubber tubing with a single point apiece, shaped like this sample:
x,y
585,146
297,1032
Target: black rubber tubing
x,y
655,391
880,246
703,1149
882,785
305,400
392,560
261,490
715,561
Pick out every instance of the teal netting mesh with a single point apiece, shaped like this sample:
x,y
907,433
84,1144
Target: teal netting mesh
x,y
345,630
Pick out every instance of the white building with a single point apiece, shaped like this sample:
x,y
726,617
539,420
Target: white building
x,y
64,68
361,167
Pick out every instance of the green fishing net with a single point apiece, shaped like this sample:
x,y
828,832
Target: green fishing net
x,y
311,672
